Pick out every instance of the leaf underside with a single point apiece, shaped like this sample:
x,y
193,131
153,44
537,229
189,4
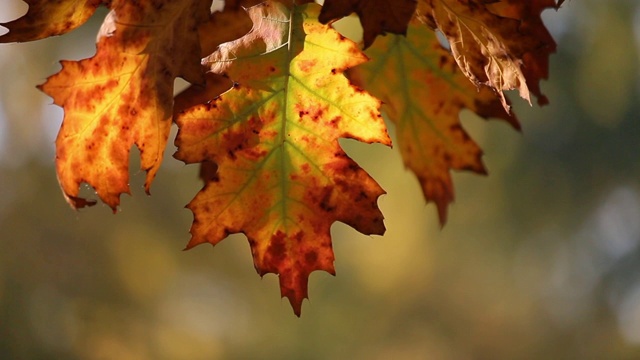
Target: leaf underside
x,y
47,18
491,48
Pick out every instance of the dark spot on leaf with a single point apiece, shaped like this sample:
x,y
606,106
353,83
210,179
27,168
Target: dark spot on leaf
x,y
209,172
325,200
311,257
275,254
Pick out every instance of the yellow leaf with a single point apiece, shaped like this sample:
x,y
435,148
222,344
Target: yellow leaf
x,y
423,92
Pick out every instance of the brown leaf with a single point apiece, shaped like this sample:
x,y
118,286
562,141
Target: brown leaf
x,y
281,177
489,48
535,61
227,25
377,16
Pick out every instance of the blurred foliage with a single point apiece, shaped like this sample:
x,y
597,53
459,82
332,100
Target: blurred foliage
x,y
539,260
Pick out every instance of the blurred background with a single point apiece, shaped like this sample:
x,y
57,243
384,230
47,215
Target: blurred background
x,y
539,260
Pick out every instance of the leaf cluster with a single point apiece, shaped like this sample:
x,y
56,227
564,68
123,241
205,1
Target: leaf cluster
x,y
274,87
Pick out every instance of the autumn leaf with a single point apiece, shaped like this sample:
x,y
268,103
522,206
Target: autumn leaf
x,y
46,18
376,16
424,91
282,178
535,64
488,48
123,95
236,22
265,120
233,19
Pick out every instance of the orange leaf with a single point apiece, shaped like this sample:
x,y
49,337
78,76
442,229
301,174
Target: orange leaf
x,y
282,178
423,92
123,95
49,18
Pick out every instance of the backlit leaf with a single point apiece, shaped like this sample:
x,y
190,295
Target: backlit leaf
x,y
123,95
49,18
282,178
488,48
423,91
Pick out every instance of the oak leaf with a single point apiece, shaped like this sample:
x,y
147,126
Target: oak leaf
x,y
536,61
233,19
488,48
46,18
376,16
123,95
423,92
281,176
